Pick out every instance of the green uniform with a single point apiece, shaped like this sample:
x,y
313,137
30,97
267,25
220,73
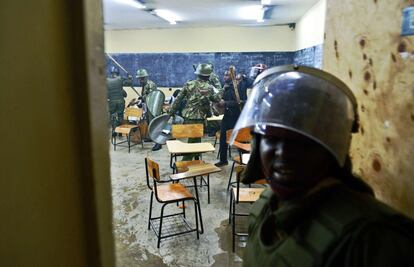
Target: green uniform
x,y
213,126
333,226
197,106
116,94
148,88
215,81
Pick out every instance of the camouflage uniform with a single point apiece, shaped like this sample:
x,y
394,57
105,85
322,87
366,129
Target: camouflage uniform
x,y
116,94
213,126
197,106
215,81
148,88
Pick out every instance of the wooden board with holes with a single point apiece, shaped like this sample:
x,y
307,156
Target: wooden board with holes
x,y
196,170
373,60
178,147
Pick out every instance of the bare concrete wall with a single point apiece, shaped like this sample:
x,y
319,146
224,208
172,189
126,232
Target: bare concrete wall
x,y
364,48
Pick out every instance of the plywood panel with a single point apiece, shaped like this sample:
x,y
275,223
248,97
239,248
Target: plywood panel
x,y
364,48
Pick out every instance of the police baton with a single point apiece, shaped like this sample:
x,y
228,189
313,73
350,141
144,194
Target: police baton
x,y
122,68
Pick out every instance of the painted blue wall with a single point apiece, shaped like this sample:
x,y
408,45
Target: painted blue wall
x,y
174,69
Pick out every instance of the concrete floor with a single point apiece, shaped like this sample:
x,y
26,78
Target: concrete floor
x,y
137,246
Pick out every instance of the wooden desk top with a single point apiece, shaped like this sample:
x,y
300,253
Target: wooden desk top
x,y
178,147
196,170
243,146
216,118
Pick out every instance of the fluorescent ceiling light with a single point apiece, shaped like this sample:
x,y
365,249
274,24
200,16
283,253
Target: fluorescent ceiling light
x,y
251,12
266,2
167,15
260,16
132,3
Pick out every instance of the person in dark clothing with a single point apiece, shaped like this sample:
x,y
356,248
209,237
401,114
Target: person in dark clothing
x,y
231,113
316,212
116,95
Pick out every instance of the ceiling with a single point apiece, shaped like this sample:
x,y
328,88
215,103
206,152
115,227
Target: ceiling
x,y
202,13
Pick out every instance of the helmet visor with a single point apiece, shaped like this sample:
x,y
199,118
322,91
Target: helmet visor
x,y
305,100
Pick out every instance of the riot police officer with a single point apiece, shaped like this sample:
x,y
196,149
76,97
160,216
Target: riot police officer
x,y
147,85
317,212
116,95
198,95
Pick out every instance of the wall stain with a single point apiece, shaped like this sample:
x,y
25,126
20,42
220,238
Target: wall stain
x,y
364,56
362,108
375,85
388,140
376,165
362,43
402,47
350,74
367,76
393,57
336,49
371,63
412,117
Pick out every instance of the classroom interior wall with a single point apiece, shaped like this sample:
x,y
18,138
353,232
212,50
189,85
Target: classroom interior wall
x,y
365,49
310,28
209,39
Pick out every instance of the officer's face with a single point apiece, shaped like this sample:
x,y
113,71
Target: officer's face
x,y
293,161
143,80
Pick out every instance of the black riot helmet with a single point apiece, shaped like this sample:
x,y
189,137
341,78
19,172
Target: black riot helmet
x,y
305,100
114,71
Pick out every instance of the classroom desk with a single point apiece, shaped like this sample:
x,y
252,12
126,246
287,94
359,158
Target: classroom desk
x,y
192,173
176,147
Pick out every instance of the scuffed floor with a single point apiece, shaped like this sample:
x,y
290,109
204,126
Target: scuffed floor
x,y
137,246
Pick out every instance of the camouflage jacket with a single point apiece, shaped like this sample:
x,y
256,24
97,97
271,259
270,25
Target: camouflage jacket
x,y
148,88
197,105
215,81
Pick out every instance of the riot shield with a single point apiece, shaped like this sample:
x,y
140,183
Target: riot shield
x,y
154,101
160,128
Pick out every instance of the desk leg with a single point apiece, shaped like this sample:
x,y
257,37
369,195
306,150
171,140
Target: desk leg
x,y
199,205
208,187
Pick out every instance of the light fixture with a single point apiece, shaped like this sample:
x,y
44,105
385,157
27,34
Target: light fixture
x,y
266,2
260,15
132,3
251,12
167,15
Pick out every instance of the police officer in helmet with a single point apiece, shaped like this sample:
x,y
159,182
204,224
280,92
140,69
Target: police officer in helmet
x,y
317,213
116,95
197,95
114,72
